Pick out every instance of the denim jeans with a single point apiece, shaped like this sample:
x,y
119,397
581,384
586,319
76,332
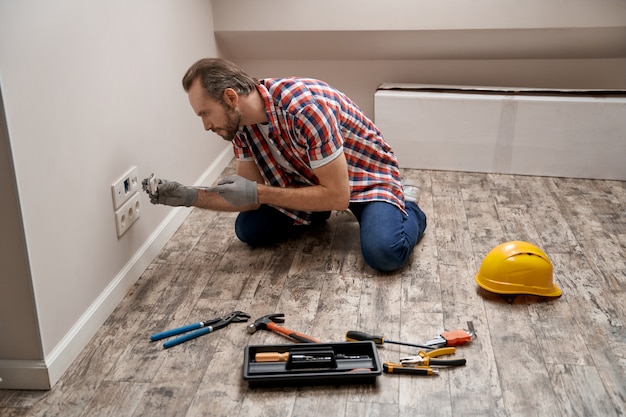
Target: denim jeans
x,y
388,236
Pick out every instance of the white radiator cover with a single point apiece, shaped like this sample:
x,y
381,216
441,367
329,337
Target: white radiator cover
x,y
560,133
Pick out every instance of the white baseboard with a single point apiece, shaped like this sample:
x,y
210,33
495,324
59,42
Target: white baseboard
x,y
42,375
24,374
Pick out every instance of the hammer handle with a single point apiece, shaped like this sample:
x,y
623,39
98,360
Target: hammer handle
x,y
291,334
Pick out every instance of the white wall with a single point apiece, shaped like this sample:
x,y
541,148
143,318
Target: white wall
x,y
360,78
375,15
90,89
359,44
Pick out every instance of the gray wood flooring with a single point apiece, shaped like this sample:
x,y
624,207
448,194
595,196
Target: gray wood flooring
x,y
534,357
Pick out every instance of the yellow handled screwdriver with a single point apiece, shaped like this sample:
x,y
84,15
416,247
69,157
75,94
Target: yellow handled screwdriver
x,y
398,368
354,336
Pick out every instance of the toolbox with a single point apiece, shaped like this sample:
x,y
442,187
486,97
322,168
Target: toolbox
x,y
311,364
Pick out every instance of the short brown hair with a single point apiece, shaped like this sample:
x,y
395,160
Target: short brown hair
x,y
216,75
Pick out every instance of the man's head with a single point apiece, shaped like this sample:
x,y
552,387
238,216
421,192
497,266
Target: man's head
x,y
214,86
216,76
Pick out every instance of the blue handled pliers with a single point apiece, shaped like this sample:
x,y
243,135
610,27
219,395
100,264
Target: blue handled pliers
x,y
199,329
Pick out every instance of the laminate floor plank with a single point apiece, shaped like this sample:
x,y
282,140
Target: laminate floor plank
x,y
372,409
320,401
421,288
519,361
345,252
600,323
451,227
579,391
338,307
420,395
480,210
380,314
474,389
114,399
222,388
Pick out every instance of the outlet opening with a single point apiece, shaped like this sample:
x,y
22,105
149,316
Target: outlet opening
x,y
126,186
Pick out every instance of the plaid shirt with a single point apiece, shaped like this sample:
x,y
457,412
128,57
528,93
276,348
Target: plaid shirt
x,y
311,123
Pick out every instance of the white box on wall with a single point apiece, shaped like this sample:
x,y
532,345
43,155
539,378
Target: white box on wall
x,y
563,133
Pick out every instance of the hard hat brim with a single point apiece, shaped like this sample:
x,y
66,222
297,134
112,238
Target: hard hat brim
x,y
512,289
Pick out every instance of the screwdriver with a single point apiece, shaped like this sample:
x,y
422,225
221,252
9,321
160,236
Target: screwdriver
x,y
284,357
354,335
397,368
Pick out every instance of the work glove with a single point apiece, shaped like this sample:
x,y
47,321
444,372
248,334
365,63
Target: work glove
x,y
174,194
237,190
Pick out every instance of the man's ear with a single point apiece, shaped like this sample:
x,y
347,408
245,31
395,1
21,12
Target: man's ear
x,y
231,97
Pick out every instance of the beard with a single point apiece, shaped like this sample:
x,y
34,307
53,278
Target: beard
x,y
233,118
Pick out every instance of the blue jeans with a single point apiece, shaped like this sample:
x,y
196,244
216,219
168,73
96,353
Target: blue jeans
x,y
388,236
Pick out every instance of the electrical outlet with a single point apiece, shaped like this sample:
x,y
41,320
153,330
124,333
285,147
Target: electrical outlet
x,y
128,214
125,187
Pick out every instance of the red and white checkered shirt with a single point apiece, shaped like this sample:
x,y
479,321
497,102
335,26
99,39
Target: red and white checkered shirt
x,y
311,123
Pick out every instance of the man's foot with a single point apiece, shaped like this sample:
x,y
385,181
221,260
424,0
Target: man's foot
x,y
411,191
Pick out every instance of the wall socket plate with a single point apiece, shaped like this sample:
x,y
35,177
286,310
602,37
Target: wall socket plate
x,y
128,214
125,187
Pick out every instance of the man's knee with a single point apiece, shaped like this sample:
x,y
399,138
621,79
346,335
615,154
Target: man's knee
x,y
261,227
383,256
243,228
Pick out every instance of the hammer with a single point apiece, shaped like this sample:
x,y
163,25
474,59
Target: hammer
x,y
268,322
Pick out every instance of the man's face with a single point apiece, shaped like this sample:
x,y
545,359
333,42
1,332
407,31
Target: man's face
x,y
222,119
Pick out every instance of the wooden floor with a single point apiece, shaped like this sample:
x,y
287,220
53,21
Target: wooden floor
x,y
561,357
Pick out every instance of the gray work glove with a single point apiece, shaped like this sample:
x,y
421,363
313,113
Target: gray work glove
x,y
237,190
174,194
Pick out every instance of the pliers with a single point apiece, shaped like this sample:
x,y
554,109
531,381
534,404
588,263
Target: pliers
x,y
200,328
453,338
421,364
427,358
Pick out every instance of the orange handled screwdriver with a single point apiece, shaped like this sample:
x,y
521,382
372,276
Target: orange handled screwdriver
x,y
284,356
271,357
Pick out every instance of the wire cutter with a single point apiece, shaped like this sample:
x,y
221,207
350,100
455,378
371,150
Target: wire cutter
x,y
199,329
428,358
421,364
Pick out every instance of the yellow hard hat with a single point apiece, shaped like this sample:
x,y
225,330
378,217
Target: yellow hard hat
x,y
517,268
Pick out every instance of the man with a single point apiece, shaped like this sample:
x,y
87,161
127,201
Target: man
x,y
302,149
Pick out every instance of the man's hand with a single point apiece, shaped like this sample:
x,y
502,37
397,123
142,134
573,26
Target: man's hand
x,y
174,194
237,190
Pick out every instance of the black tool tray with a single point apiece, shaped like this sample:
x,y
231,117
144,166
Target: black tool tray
x,y
313,364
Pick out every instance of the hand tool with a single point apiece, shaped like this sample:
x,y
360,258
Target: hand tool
x,y
398,368
427,358
354,335
284,356
453,338
268,322
199,329
150,185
